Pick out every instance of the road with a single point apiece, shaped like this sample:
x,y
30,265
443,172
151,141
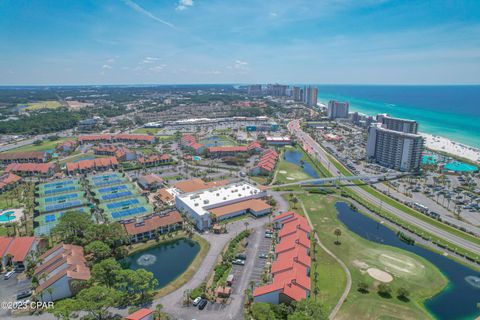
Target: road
x,y
315,150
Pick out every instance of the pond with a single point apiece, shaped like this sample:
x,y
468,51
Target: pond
x,y
457,301
215,141
166,261
294,156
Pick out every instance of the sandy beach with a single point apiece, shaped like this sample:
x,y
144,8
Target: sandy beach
x,y
452,147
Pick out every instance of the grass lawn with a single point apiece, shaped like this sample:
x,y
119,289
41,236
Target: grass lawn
x,y
9,199
288,172
418,276
146,130
46,145
3,231
50,104
259,179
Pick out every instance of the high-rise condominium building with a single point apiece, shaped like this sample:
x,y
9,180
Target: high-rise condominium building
x,y
337,109
297,93
310,96
255,90
395,148
397,124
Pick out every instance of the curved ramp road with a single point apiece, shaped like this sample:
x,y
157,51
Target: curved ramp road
x,y
316,150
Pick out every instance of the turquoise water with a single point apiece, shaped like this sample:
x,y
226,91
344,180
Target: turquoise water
x,y
429,159
7,216
460,167
448,111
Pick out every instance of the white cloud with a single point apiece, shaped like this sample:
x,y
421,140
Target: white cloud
x,y
149,60
273,14
184,5
106,66
158,68
147,13
239,66
111,60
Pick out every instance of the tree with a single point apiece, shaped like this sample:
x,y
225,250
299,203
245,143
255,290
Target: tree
x,y
294,201
131,282
72,226
384,290
363,287
308,309
402,294
104,272
338,233
96,300
246,225
98,249
64,309
262,311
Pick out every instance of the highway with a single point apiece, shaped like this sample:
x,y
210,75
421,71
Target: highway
x,y
315,150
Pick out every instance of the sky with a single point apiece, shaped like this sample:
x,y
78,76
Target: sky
x,y
49,42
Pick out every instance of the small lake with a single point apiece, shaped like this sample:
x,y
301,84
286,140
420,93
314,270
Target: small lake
x,y
166,261
215,141
457,301
294,156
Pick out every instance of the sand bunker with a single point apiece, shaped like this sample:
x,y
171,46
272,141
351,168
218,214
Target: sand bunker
x,y
360,264
379,275
282,171
290,178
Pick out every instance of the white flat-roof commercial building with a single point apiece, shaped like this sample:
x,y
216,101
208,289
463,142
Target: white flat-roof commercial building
x,y
224,202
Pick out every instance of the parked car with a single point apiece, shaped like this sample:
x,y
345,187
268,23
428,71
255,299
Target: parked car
x,y
197,301
241,256
268,235
202,304
263,256
239,262
24,294
8,275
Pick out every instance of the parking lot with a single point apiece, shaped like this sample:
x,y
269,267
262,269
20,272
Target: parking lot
x,y
264,247
8,292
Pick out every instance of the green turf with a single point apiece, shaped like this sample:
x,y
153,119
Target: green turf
x,y
46,145
49,104
418,276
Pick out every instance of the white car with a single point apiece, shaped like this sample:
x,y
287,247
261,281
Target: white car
x,y
197,301
8,275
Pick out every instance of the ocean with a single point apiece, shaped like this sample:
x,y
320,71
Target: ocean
x,y
452,112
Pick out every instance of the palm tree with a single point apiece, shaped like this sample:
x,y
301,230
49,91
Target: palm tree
x,y
246,225
50,292
338,233
294,201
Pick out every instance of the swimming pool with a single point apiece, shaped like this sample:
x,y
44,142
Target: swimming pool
x,y
7,216
460,167
429,159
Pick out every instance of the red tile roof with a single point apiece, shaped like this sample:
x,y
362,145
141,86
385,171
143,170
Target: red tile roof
x,y
8,178
140,314
134,137
197,184
20,247
252,204
152,223
290,270
27,167
228,149
4,244
154,158
98,163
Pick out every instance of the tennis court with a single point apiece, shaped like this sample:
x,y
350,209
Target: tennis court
x,y
121,214
113,188
63,205
58,183
102,183
62,197
123,203
104,176
44,223
116,195
59,190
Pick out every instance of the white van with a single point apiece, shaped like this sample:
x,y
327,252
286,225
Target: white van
x,y
8,275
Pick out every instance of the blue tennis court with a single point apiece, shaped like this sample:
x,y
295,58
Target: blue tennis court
x,y
59,190
60,206
58,183
114,188
107,182
104,176
61,197
128,212
117,195
50,218
122,203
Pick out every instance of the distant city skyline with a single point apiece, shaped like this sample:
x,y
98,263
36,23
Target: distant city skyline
x,y
251,41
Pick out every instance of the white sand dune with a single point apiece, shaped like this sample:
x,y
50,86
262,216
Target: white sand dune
x,y
452,147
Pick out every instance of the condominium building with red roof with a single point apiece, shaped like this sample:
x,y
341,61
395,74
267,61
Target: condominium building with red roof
x,y
154,159
8,181
24,156
60,268
145,228
16,250
98,164
32,169
142,314
266,164
190,142
291,268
